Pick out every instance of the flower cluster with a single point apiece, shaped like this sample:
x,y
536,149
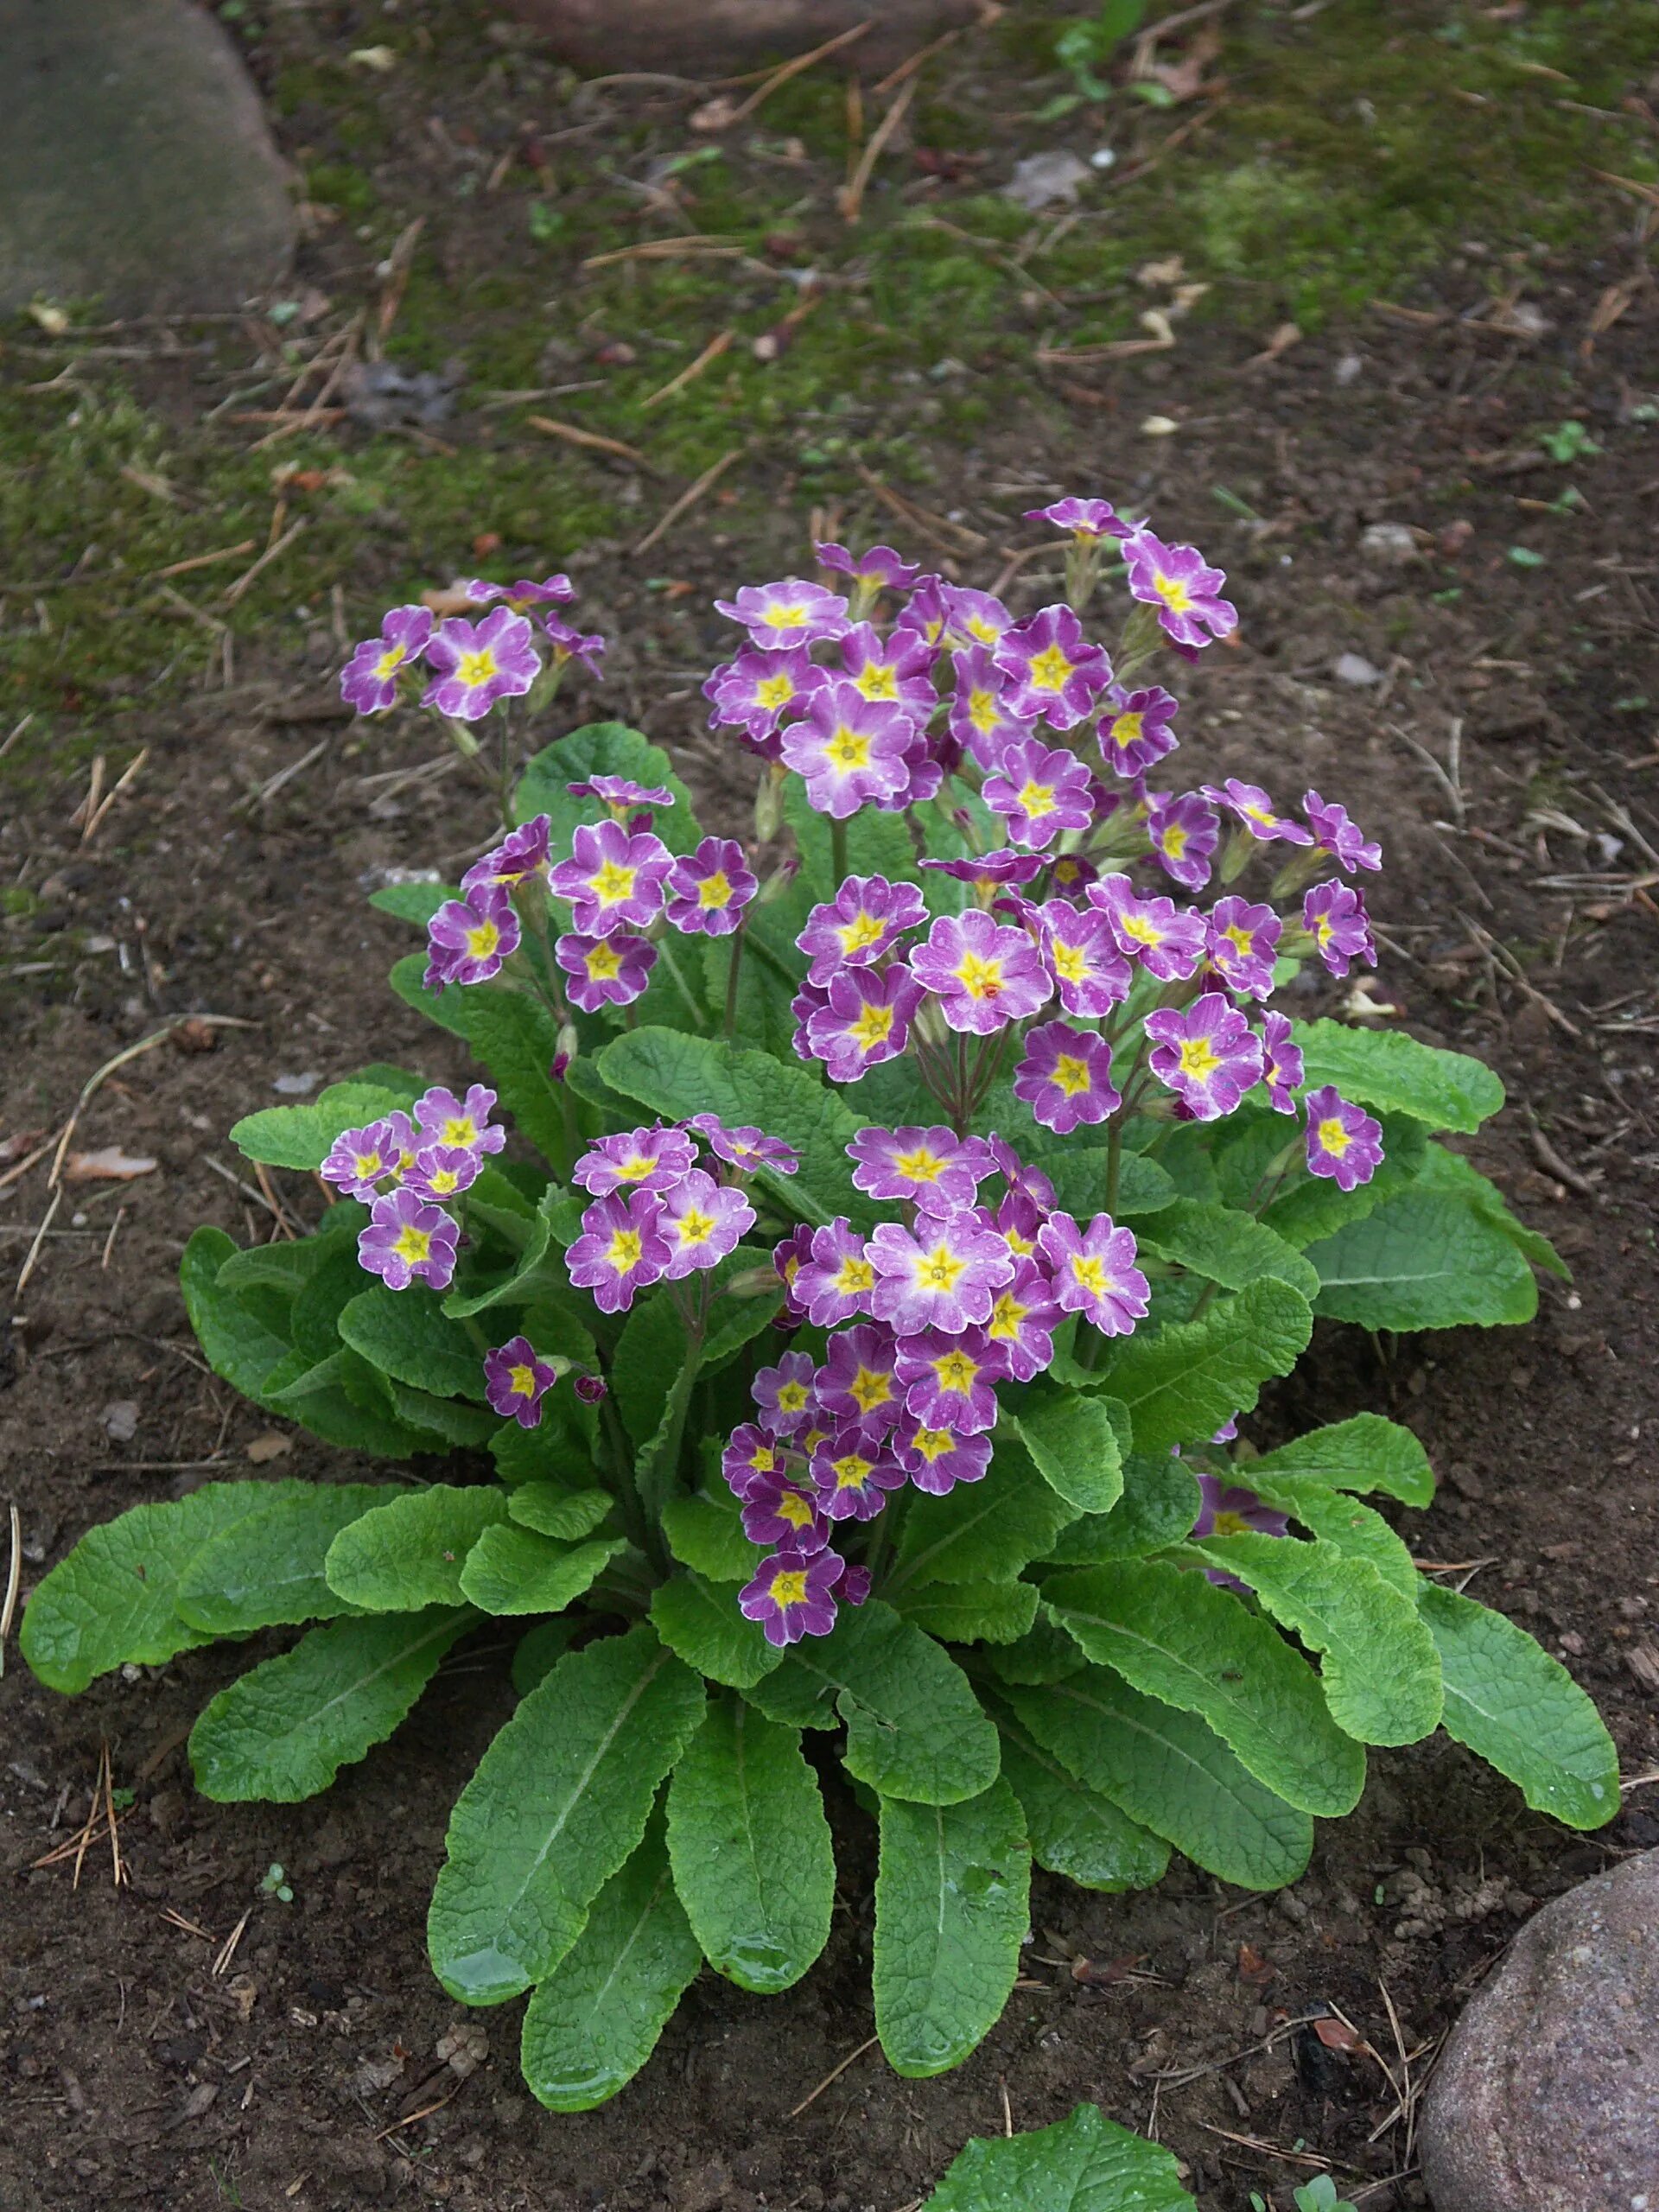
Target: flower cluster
x,y
472,664
657,1215
927,1315
620,883
408,1169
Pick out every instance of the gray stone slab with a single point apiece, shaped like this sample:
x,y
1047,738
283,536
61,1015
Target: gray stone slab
x,y
136,165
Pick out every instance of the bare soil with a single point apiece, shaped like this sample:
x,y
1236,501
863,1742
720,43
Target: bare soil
x,y
1520,926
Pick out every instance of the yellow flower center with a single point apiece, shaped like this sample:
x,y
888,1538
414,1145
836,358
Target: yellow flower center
x,y
459,1129
1091,1273
1125,731
774,691
1071,1075
1050,669
1006,1315
1240,938
921,1166
612,883
983,633
784,615
932,1443
521,1380
714,890
789,1589
983,711
940,1269
1173,840
1324,929
852,1470
482,941
791,1398
636,1167
695,1228
862,931
1260,815
795,1508
1021,1247
391,661
870,1389
368,1165
762,1460
1229,1523
444,1183
413,1245
1174,594
956,1371
854,1277
877,682
1070,961
982,978
625,1250
1199,1058
848,748
604,963
874,1026
475,668
1143,931
1334,1137
1038,800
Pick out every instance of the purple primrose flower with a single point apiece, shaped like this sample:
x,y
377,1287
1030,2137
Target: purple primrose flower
x,y
1134,731
945,1275
937,1460
1206,1053
1039,792
1335,834
613,879
756,691
709,889
516,1380
1343,1142
620,1250
784,1394
856,1385
1066,1077
1185,832
867,915
359,1159
984,977
1230,1509
791,1595
950,1381
1081,953
1094,1272
636,1160
369,680
521,854
835,1279
848,749
880,569
1334,916
1255,808
522,595
750,1458
443,1172
745,1147
1054,671
865,1020
792,613
983,717
621,793
409,1241
443,1118
1244,944
468,939
1186,593
894,669
1023,1321
605,970
1168,940
701,1222
775,1512
479,662
1282,1063
850,1476
934,1166
1088,519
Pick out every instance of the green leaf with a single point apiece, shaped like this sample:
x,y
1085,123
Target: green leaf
x,y
1381,1673
407,1335
1073,1447
346,1402
539,1651
409,1551
1366,1453
445,1420
1311,1207
1170,1772
985,1534
1386,1068
750,1847
677,1075
877,844
512,1570
1427,1260
699,1621
1079,1176
970,1612
514,1035
1161,1502
1085,2163
1179,1639
601,749
1355,1530
650,1357
1184,1381
594,2022
707,1534
557,1804
1448,1171
1075,1831
112,1601
952,1889
237,1345
552,1512
413,902
1521,1711
914,1726
268,1568
303,1136
283,1731
1046,1652
537,1273
1226,1246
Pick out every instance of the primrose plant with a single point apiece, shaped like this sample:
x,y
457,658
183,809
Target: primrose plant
x,y
846,1356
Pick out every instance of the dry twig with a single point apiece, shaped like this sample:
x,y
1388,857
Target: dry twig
x,y
687,500
590,440
834,2075
710,353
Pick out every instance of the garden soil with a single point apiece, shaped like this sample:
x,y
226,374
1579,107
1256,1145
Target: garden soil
x,y
191,2039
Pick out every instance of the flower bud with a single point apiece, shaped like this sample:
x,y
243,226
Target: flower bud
x,y
566,1046
751,1282
461,737
769,803
779,881
590,1389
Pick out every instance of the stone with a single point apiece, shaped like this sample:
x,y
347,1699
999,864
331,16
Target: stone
x,y
136,165
707,38
1546,2097
1046,181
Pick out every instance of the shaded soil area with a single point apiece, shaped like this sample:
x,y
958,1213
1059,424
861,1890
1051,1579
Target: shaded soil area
x,y
1368,491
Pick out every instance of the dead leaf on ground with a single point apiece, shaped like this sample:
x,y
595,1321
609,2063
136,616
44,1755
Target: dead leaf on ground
x,y
19,1142
1183,80
1253,1968
1111,1970
109,1165
273,1445
1336,2034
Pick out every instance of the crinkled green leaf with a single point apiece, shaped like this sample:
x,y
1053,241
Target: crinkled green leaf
x,y
512,1570
1226,1246
1079,1176
676,1074
594,2022
267,1568
970,1612
444,1421
1170,1772
413,902
750,1848
1159,1503
237,1345
303,1136
514,1035
1311,1207
1448,1171
952,1889
537,1270
1354,1529
1522,1712
560,1450
1073,1446
1086,2163
1365,1453
1179,1639
347,1402
284,1730
407,1335
552,1512
877,844
539,1651
110,1602
601,749
986,1533
914,1726
1423,1262
701,1621
1387,1068
707,1534
1184,1381
1046,1652
1075,1831
1380,1670
408,1552
557,1804
650,1355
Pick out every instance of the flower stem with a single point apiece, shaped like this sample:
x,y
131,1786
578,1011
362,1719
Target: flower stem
x,y
838,851
733,972
674,970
